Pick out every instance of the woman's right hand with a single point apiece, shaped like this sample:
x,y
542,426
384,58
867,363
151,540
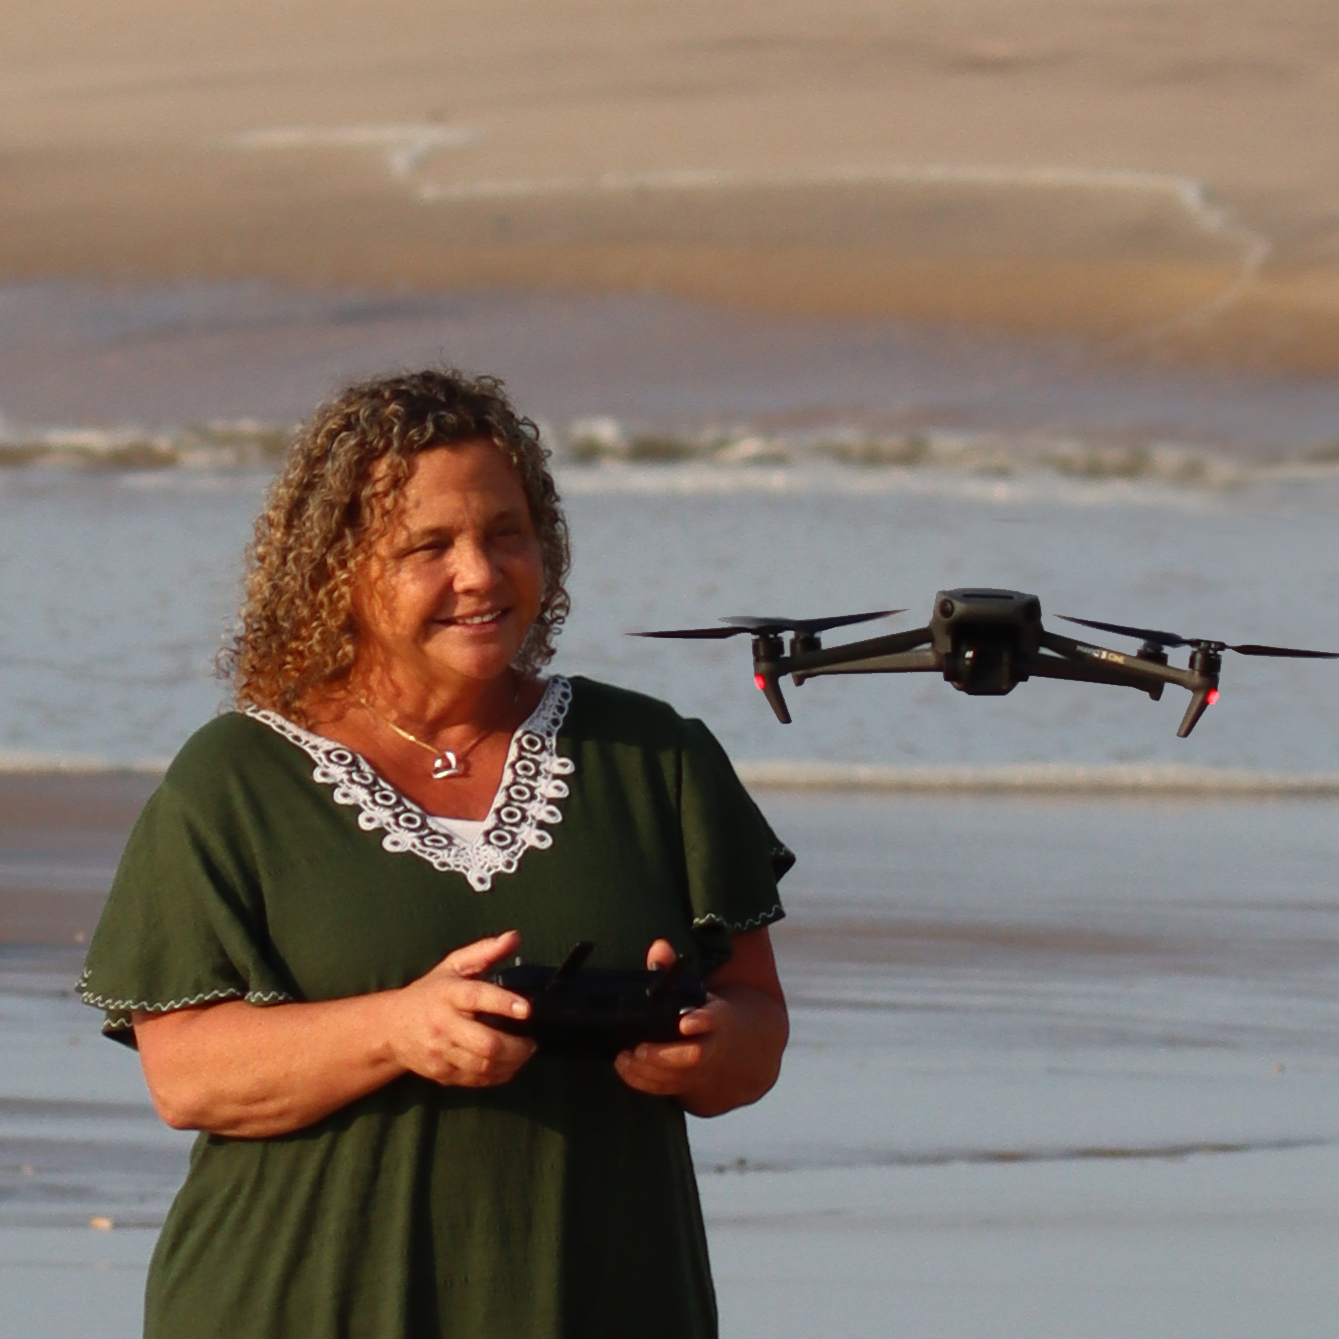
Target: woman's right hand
x,y
433,1030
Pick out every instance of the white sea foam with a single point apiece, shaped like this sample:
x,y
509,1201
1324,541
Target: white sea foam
x,y
601,455
217,445
1191,195
828,480
37,762
405,146
1039,779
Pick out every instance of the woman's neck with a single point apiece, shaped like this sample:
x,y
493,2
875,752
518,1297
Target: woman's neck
x,y
431,708
406,735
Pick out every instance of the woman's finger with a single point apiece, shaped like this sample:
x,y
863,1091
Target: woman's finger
x,y
661,954
713,1018
471,959
485,1043
656,1080
697,1022
483,997
652,1086
671,1054
465,1069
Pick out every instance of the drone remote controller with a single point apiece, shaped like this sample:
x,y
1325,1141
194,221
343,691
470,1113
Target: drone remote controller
x,y
594,1010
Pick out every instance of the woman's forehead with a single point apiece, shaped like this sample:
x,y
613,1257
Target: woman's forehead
x,y
462,477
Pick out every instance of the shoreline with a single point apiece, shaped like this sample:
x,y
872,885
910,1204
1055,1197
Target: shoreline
x,y
62,827
212,375
122,786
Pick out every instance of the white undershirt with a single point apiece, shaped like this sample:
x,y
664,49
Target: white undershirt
x,y
467,829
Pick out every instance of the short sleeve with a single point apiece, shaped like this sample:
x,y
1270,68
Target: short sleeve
x,y
182,925
733,858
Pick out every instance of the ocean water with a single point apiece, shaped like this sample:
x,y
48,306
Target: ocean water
x,y
118,587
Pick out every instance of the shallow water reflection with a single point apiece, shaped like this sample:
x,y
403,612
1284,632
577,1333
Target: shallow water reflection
x,y
1062,1068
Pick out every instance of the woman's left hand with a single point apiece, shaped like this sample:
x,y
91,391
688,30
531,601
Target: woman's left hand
x,y
730,1054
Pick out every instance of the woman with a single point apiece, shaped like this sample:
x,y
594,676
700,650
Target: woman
x,y
295,934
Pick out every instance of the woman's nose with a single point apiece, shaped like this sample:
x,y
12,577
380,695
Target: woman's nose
x,y
474,569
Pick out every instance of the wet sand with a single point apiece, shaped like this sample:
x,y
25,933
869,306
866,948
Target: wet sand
x,y
1156,180
167,357
1058,1066
60,838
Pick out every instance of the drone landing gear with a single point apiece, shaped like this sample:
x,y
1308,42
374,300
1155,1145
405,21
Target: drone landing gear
x,y
767,650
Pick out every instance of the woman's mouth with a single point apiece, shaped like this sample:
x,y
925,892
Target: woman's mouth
x,y
479,620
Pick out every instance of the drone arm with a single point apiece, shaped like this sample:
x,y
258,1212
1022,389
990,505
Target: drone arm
x,y
1082,671
905,662
845,659
1077,660
1137,673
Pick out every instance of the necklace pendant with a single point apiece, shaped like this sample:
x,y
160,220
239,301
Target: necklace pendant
x,y
446,765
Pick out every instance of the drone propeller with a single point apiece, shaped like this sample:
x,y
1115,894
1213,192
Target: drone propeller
x,y
1155,638
765,626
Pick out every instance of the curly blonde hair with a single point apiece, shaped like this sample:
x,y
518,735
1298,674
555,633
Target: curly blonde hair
x,y
297,636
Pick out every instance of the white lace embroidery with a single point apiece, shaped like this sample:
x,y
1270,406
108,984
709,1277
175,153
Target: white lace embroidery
x,y
126,1007
525,801
119,1011
767,917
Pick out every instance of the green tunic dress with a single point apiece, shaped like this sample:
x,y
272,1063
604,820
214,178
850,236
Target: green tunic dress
x,y
276,865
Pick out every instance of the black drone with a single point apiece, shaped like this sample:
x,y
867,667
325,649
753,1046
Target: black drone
x,y
984,642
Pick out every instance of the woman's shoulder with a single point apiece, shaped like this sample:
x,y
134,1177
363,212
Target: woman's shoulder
x,y
608,708
605,714
233,745
230,737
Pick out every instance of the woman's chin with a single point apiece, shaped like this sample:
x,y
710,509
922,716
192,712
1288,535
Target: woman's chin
x,y
478,651
478,659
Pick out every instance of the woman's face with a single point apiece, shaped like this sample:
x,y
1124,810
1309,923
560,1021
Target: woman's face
x,y
454,584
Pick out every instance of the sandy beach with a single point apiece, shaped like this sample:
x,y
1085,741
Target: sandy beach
x,y
1159,180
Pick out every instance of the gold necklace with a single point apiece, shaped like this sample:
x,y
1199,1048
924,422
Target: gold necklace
x,y
447,763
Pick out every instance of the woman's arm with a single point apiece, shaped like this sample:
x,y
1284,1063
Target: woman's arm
x,y
252,1072
739,1037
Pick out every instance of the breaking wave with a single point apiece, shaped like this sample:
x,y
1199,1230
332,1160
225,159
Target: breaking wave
x,y
225,445
602,455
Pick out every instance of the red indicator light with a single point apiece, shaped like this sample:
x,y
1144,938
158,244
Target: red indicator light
x,y
1212,696
760,681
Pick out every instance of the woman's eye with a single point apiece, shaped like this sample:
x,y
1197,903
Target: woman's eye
x,y
427,552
